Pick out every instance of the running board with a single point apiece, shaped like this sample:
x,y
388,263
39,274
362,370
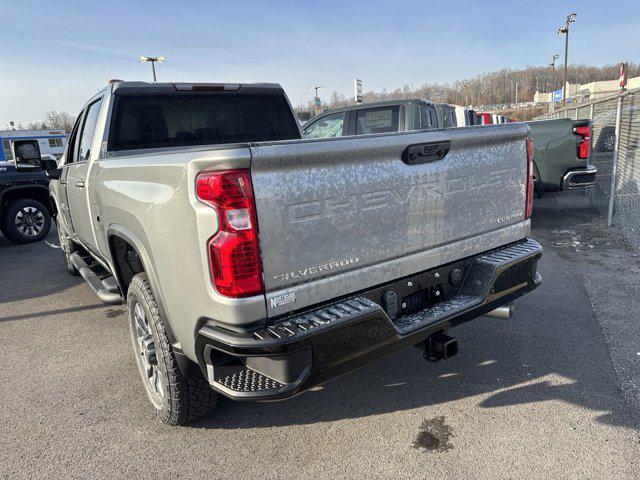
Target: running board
x,y
106,290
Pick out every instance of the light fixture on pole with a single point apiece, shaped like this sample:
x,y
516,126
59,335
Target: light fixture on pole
x,y
564,30
153,61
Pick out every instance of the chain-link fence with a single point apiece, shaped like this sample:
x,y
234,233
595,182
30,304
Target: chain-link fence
x,y
615,150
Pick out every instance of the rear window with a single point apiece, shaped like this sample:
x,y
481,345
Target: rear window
x,y
377,120
157,121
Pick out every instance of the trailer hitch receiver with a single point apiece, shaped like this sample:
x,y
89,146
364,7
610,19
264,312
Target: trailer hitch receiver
x,y
440,346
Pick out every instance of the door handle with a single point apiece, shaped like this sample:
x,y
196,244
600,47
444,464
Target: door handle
x,y
425,152
63,182
80,183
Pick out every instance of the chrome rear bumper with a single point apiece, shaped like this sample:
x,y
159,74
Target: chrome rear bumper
x,y
579,178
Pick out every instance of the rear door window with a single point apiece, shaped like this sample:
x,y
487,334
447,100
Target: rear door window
x,y
158,121
377,120
329,126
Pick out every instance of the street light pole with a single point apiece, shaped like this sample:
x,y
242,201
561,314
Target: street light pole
x,y
564,30
153,61
553,79
316,99
553,66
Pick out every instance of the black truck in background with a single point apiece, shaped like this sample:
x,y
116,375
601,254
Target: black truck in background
x,y
25,210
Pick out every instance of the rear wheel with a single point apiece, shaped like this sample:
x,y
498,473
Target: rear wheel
x,y
177,399
25,221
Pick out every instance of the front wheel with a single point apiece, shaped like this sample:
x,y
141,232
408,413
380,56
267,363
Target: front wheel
x,y
177,399
25,221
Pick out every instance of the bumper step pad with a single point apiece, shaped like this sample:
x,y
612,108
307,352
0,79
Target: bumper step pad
x,y
242,383
242,379
312,322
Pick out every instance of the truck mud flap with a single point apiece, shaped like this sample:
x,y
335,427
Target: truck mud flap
x,y
309,348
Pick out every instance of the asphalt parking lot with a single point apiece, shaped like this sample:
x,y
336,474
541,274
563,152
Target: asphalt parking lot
x,y
553,393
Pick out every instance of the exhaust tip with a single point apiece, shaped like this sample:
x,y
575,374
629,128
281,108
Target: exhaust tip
x,y
504,312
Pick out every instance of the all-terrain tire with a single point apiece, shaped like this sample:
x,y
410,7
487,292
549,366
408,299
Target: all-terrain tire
x,y
184,399
25,221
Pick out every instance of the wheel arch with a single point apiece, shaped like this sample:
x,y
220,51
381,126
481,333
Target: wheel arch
x,y
119,238
36,192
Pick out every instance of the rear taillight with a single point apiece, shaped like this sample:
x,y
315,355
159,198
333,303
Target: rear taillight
x,y
585,143
529,202
234,253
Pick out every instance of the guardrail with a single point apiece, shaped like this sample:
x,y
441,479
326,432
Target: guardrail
x,y
615,150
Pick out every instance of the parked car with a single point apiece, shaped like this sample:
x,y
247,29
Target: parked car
x,y
446,115
257,265
465,116
605,140
376,117
485,118
561,154
25,211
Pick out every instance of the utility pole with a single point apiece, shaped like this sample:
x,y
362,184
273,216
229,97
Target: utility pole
x,y
564,30
153,61
516,92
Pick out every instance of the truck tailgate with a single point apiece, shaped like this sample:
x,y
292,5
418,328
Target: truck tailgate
x,y
333,206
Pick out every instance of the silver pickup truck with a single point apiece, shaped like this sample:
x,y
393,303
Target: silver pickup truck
x,y
256,264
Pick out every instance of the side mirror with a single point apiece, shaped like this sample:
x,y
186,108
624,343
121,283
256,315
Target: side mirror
x,y
27,155
50,165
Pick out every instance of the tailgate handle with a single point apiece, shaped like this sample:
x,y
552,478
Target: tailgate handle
x,y
425,152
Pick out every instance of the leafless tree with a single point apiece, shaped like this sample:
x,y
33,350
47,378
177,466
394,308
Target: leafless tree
x,y
488,88
59,120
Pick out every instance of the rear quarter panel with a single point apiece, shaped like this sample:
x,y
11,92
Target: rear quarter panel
x,y
554,150
151,200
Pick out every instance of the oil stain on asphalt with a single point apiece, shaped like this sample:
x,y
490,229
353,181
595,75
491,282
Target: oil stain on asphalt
x,y
434,436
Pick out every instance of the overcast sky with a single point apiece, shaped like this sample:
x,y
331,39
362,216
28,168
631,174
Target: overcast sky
x,y
56,54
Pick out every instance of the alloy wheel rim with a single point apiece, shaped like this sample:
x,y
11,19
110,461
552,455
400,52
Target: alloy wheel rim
x,y
29,221
146,355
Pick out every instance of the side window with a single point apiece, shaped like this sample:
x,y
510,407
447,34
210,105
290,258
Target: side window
x,y
6,146
89,128
72,144
377,120
55,142
329,126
